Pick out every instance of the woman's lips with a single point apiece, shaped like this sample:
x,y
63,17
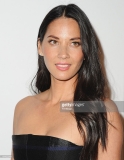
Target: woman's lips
x,y
63,67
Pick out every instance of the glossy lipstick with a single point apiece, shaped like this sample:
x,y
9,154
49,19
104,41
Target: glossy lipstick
x,y
63,66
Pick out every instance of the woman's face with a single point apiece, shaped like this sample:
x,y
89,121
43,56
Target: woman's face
x,y
61,48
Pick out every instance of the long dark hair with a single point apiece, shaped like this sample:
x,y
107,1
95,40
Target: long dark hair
x,y
90,84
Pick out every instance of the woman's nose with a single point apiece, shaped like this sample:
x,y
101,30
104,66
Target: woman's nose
x,y
63,52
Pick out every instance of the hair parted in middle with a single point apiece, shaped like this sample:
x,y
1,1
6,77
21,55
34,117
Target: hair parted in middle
x,y
90,84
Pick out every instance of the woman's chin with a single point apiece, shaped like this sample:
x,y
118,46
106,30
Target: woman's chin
x,y
63,78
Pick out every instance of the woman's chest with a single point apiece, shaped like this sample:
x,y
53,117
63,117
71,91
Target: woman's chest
x,y
49,121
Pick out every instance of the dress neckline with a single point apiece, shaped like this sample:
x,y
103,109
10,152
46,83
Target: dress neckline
x,y
47,136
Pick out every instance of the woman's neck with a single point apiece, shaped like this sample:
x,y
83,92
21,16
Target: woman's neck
x,y
61,90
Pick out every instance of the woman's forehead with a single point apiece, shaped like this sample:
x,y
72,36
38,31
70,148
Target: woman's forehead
x,y
63,27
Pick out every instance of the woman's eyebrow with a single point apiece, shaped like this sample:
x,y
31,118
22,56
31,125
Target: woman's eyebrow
x,y
75,38
52,36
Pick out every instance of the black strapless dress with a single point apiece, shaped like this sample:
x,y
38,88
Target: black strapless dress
x,y
42,147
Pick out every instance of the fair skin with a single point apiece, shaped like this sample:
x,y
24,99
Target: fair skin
x,y
40,114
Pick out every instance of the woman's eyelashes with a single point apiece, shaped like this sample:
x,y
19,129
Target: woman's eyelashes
x,y
53,42
74,43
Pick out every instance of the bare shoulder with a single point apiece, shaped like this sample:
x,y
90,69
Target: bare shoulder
x,y
28,102
113,114
23,105
115,133
110,105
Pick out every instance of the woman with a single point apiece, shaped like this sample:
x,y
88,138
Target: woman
x,y
69,70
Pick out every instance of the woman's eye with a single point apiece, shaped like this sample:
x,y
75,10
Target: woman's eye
x,y
52,41
76,44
